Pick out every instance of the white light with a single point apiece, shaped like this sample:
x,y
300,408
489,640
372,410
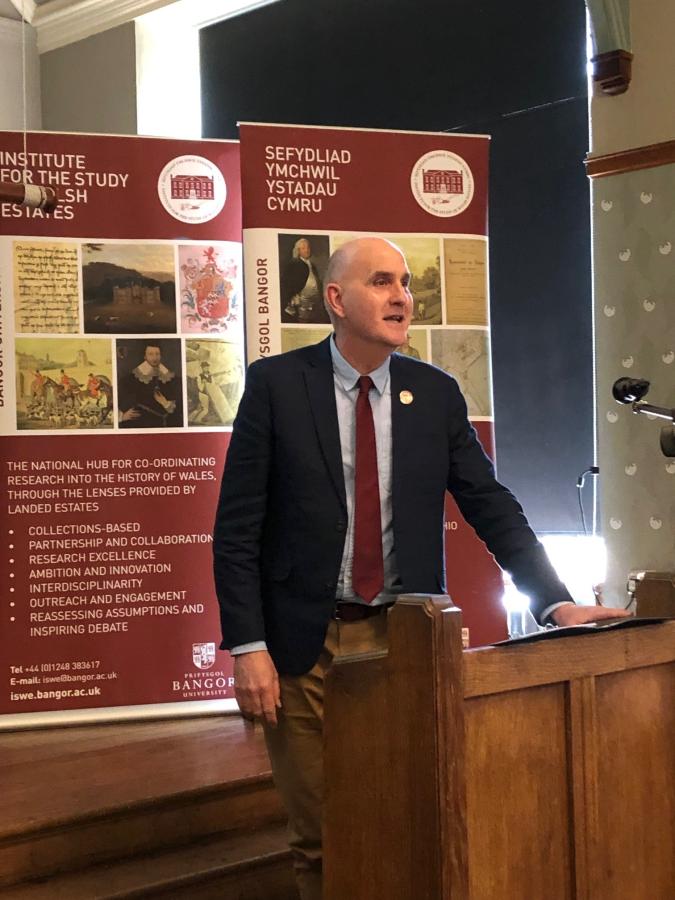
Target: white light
x,y
519,619
580,561
168,88
512,599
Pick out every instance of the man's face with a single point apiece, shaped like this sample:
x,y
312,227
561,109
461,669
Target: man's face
x,y
304,249
153,356
375,303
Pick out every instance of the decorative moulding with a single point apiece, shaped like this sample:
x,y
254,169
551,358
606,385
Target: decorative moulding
x,y
612,71
630,160
62,22
25,8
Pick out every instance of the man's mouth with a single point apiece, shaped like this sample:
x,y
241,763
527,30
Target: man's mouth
x,y
394,318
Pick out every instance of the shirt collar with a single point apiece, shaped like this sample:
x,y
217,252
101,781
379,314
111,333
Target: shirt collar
x,y
348,376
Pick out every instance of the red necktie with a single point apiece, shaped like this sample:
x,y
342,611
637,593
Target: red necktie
x,y
368,567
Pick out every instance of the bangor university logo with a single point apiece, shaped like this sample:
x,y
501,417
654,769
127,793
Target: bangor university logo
x,y
192,189
442,183
204,655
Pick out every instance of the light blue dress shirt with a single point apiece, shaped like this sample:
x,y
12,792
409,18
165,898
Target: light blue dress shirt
x,y
346,379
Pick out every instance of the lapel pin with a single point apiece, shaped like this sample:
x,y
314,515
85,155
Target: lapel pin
x,y
406,398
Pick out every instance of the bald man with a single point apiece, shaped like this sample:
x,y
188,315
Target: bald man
x,y
300,577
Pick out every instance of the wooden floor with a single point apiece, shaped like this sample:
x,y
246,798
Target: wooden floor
x,y
179,808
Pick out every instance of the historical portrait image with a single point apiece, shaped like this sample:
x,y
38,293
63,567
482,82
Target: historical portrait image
x,y
149,385
294,338
302,265
210,283
465,354
63,383
214,373
423,258
129,288
415,344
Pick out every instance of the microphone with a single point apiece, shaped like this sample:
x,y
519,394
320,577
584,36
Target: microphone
x,y
629,390
632,390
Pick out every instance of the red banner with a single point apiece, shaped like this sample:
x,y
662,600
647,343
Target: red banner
x,y
306,191
121,317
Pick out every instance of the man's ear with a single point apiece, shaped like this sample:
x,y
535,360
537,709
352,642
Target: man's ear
x,y
333,294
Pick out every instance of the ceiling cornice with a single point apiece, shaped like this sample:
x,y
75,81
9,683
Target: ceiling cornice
x,y
25,8
61,22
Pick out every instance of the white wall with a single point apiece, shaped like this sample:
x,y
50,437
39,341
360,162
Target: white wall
x,y
645,114
168,89
11,77
90,85
634,278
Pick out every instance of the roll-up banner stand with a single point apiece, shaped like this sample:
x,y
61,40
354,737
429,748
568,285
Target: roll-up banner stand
x,y
121,368
307,190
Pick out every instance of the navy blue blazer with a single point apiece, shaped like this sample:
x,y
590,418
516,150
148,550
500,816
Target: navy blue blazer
x,y
282,515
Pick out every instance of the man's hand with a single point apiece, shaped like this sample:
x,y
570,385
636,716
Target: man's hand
x,y
167,405
570,614
256,686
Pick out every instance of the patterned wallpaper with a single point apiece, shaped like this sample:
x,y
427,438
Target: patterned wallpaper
x,y
634,279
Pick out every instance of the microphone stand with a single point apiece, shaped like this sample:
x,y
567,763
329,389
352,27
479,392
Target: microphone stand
x,y
667,439
660,412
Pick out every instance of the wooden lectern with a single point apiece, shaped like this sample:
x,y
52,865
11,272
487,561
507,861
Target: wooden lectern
x,y
533,771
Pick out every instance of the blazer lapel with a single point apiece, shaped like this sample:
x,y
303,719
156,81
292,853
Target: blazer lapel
x,y
321,392
403,432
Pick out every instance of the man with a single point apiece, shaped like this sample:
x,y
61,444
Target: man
x,y
211,394
93,386
421,309
407,349
150,395
301,291
299,574
37,387
70,385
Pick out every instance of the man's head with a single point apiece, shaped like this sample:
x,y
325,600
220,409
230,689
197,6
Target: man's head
x,y
367,294
302,248
152,355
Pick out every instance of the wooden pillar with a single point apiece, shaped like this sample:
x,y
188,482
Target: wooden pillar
x,y
395,810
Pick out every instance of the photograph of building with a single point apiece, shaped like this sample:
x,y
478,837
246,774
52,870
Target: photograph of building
x,y
129,288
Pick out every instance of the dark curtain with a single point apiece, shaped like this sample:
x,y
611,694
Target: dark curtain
x,y
516,71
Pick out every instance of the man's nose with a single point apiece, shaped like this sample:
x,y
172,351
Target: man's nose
x,y
399,294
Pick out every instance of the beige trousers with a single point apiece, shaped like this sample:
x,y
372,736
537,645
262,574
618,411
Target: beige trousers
x,y
295,746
